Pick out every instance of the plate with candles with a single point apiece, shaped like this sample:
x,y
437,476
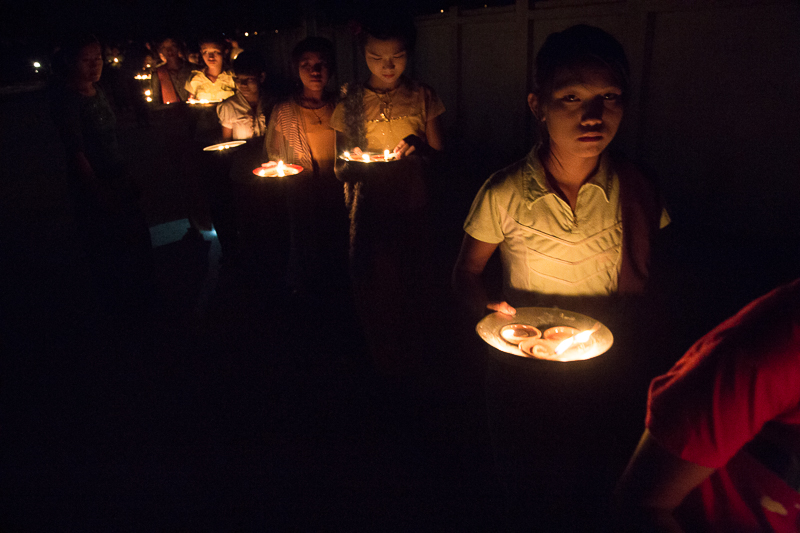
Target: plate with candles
x,y
357,156
277,169
223,146
546,334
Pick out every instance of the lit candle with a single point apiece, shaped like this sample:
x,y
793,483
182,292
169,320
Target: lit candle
x,y
365,157
281,170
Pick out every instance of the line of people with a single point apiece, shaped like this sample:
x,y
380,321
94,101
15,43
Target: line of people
x,y
574,223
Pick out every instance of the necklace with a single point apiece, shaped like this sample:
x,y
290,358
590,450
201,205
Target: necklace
x,y
313,109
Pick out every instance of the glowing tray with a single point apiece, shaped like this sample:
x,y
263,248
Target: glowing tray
x,y
490,329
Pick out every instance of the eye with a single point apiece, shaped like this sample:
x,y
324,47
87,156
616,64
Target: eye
x,y
399,56
570,98
611,96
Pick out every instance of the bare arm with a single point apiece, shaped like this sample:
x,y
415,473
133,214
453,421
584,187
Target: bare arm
x,y
653,485
466,281
413,143
227,133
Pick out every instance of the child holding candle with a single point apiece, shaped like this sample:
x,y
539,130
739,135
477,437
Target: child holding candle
x,y
387,201
212,84
300,133
574,225
570,219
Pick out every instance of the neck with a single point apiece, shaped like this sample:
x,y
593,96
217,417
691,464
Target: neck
x,y
174,64
85,88
569,171
252,100
213,73
378,84
313,97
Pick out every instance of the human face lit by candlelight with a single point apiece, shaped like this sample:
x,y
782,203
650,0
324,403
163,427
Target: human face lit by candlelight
x,y
583,113
89,66
314,72
169,52
386,61
212,56
248,84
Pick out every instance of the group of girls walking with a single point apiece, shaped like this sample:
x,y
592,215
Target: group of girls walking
x,y
569,220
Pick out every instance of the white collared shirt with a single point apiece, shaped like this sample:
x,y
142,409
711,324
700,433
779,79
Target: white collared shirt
x,y
545,247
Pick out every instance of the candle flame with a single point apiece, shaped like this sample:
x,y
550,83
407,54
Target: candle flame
x,y
386,154
578,338
280,169
365,157
346,155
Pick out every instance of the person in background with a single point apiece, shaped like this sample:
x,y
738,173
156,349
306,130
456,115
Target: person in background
x,y
300,133
721,448
206,88
241,117
214,82
388,202
111,225
168,81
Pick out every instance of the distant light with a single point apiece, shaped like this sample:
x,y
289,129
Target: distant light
x,y
276,31
36,64
246,34
116,60
149,99
255,33
441,11
147,65
147,92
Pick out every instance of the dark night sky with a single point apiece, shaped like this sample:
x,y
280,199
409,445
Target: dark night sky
x,y
24,20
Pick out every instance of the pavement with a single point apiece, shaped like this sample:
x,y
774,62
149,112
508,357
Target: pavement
x,y
231,406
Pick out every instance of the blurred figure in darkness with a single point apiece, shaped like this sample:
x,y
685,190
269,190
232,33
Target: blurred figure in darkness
x,y
112,228
168,81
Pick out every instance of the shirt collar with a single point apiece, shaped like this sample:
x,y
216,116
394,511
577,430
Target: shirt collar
x,y
535,185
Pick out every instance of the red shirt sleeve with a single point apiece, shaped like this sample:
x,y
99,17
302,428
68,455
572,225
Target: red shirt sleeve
x,y
741,375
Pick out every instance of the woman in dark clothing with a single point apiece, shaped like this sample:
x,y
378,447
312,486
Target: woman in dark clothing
x,y
111,226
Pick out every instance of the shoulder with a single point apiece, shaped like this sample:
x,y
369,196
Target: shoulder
x,y
508,179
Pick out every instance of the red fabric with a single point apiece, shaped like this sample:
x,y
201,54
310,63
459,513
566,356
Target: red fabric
x,y
718,396
168,94
641,214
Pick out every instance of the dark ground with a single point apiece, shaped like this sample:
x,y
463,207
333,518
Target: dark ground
x,y
240,408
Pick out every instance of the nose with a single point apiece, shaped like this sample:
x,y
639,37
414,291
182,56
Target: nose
x,y
316,69
593,112
388,64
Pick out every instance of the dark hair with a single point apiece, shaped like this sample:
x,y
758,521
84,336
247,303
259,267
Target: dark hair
x,y
387,28
65,59
249,63
575,48
319,45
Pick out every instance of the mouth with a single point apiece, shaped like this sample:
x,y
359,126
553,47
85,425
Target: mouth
x,y
590,138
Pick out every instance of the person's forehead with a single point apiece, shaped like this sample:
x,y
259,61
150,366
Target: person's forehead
x,y
311,55
388,46
584,75
210,47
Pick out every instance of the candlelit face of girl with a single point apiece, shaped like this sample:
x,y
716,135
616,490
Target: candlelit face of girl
x,y
247,84
583,113
314,71
89,65
212,55
386,60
